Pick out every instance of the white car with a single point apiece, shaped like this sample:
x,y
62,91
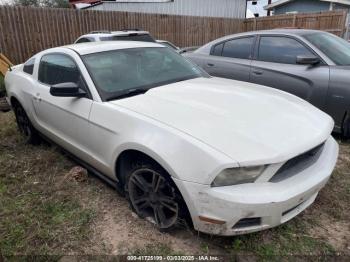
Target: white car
x,y
231,157
121,35
169,45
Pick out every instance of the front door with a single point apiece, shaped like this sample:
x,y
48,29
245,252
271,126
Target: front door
x,y
65,120
276,66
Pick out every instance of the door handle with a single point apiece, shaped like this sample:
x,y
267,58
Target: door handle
x,y
210,65
257,72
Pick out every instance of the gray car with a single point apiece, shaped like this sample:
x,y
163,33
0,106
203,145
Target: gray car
x,y
313,65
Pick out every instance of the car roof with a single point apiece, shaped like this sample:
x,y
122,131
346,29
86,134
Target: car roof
x,y
291,31
283,31
287,31
96,47
115,33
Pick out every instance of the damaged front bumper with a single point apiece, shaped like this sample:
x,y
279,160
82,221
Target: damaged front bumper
x,y
246,208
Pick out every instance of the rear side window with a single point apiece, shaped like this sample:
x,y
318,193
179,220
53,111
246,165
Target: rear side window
x,y
58,68
279,49
238,48
83,40
217,50
28,67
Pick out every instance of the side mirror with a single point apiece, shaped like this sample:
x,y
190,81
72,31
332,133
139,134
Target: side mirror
x,y
308,60
67,90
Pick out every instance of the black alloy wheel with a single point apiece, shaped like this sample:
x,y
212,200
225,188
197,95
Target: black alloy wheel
x,y
153,197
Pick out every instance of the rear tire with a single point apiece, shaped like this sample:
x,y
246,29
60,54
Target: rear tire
x,y
152,195
24,125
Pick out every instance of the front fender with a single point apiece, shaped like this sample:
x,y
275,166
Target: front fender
x,y
181,155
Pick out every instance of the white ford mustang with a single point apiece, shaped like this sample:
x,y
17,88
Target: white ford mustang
x,y
231,157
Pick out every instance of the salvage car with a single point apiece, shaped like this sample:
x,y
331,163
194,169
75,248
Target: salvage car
x,y
227,156
311,64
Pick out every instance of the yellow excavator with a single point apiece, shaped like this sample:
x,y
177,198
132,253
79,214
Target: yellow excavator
x,y
5,64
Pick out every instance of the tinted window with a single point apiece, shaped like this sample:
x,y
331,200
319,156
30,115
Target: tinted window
x,y
238,48
83,40
281,50
130,37
336,48
28,67
217,50
57,68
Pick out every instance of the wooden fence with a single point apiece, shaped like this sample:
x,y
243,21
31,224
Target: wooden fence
x,y
333,22
25,31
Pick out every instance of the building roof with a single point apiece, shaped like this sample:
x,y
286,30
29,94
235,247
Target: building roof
x,y
283,2
73,2
206,8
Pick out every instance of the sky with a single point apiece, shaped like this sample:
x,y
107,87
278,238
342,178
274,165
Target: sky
x,y
259,8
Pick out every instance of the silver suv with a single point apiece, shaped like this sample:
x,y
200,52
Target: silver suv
x,y
122,35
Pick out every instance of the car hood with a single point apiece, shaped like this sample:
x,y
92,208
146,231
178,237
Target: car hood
x,y
251,124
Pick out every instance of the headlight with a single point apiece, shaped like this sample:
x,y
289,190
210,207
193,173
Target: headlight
x,y
240,175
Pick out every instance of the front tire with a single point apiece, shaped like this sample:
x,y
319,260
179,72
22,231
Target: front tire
x,y
24,125
153,196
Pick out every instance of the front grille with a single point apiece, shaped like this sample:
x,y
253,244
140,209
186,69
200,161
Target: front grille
x,y
297,164
248,222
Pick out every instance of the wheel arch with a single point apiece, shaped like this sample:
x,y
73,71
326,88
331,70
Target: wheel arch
x,y
125,162
130,155
14,100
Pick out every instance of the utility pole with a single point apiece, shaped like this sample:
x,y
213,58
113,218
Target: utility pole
x,y
269,11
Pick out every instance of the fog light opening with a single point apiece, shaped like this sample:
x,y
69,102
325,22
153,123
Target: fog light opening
x,y
211,220
248,222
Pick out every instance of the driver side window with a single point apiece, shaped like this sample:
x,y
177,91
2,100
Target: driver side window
x,y
58,68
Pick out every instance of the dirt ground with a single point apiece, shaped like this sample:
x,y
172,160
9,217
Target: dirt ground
x,y
86,216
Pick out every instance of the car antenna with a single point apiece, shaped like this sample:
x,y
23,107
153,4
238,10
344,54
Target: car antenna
x,y
10,68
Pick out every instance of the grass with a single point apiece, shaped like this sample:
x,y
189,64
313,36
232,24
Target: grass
x,y
39,213
155,250
287,240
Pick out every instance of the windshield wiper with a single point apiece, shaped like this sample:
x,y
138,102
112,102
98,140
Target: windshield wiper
x,y
128,93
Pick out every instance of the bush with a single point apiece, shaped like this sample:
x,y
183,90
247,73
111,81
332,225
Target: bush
x,y
2,87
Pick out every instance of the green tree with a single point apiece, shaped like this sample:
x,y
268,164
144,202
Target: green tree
x,y
56,3
42,3
35,3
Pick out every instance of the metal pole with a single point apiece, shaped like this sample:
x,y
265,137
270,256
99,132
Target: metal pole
x,y
269,11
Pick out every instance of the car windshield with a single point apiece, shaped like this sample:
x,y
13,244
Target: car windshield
x,y
336,48
129,37
121,72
